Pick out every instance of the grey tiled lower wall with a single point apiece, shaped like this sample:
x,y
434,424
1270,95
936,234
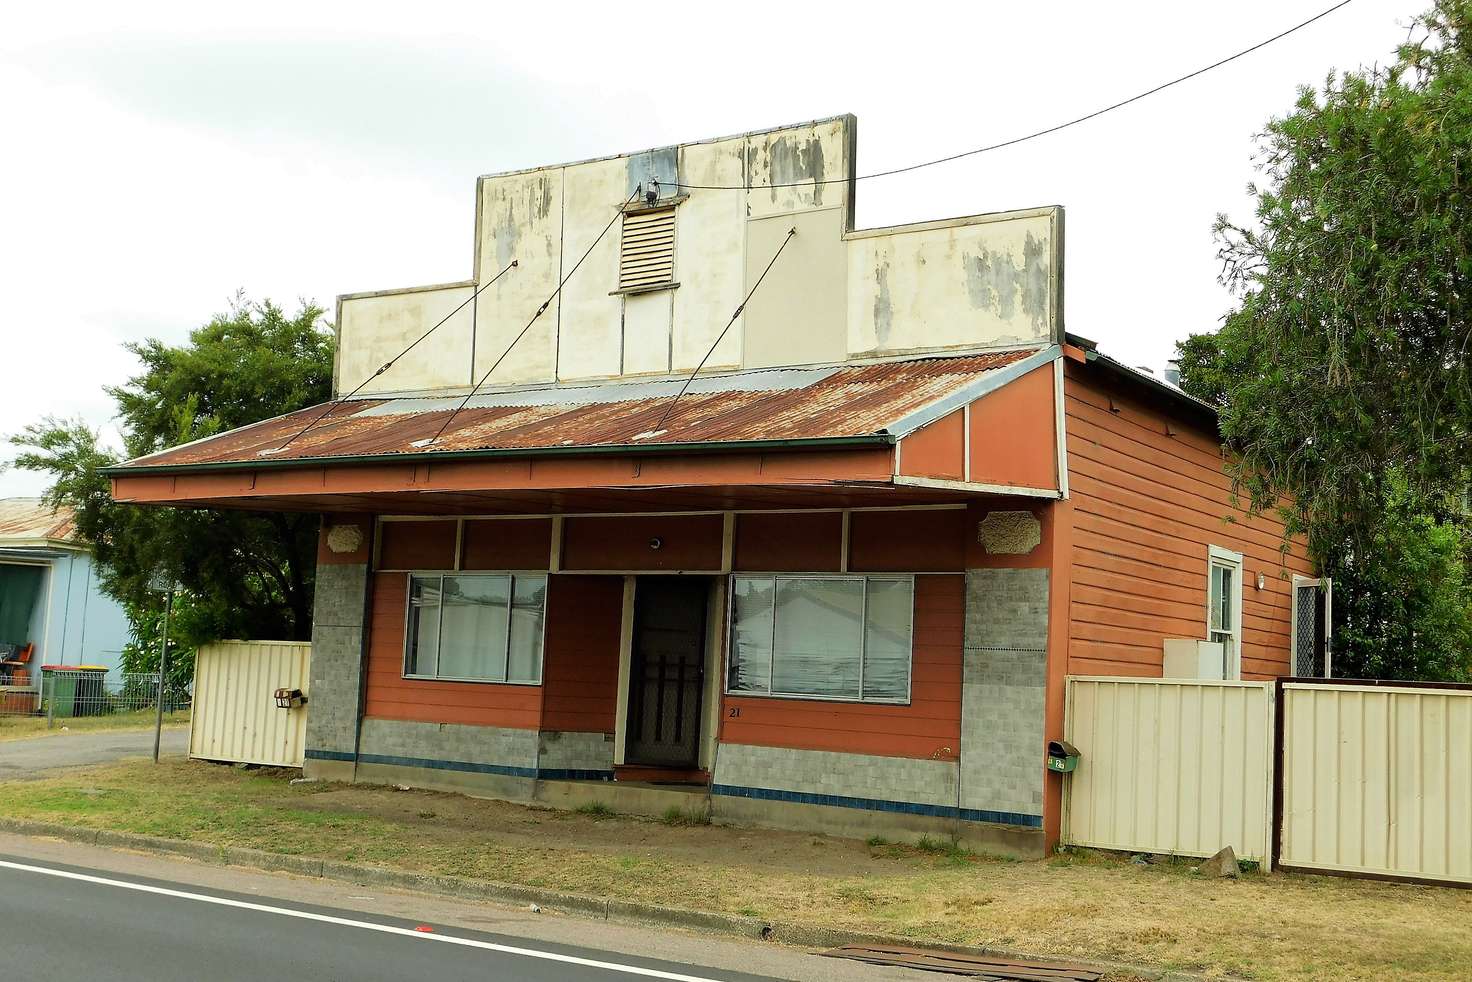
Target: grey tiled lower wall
x,y
503,750
1003,692
568,751
339,609
822,772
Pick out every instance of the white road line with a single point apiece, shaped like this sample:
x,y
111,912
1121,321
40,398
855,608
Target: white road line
x,y
650,973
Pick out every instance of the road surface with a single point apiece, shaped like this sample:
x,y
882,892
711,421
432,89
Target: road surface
x,y
35,756
79,912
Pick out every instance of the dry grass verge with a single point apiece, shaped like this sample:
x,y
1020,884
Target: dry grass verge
x,y
1079,905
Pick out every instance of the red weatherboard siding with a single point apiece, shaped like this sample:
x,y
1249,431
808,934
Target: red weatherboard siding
x,y
1012,433
789,542
416,545
391,696
937,449
1147,502
507,543
930,726
925,540
580,671
686,542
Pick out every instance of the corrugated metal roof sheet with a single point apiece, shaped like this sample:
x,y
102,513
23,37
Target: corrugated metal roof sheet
x,y
31,520
778,404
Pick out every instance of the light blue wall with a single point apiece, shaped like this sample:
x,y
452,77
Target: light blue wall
x,y
74,622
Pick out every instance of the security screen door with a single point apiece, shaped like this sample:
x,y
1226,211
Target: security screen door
x,y
667,671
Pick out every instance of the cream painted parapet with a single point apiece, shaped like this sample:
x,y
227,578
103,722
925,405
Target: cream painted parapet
x,y
981,281
374,327
700,224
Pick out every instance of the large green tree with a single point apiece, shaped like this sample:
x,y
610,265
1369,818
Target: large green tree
x,y
1343,376
244,574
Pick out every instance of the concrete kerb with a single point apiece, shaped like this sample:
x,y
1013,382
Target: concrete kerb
x,y
795,934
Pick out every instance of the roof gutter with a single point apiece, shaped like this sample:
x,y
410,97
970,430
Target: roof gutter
x,y
1093,356
433,456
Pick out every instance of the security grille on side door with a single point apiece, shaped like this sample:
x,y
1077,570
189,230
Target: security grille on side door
x,y
648,257
1311,628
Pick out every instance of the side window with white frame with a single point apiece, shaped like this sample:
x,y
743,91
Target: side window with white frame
x,y
822,637
1224,607
475,627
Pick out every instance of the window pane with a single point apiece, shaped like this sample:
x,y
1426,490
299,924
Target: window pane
x,y
528,599
819,637
473,631
751,634
887,639
1214,599
1226,598
424,625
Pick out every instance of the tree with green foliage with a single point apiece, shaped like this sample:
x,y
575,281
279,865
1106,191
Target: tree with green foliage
x,y
1343,376
242,574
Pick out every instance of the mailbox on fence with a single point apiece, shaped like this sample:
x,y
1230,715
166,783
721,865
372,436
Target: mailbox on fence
x,y
1062,756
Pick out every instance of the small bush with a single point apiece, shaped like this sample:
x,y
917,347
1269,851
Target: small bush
x,y
675,815
595,809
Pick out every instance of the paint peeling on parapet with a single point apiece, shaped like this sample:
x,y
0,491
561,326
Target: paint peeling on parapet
x,y
543,195
994,281
1036,273
506,233
883,305
794,162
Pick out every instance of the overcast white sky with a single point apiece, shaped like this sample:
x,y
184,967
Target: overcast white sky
x,y
159,157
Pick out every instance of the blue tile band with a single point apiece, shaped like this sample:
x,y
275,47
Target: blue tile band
x,y
504,770
881,805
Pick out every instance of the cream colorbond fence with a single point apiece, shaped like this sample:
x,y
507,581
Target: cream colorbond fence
x,y
235,713
1376,779
1169,765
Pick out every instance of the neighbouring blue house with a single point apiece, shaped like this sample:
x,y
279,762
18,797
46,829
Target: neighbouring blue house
x,y
52,610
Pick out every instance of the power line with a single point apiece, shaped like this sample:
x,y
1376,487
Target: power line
x,y
388,364
1039,133
540,310
659,427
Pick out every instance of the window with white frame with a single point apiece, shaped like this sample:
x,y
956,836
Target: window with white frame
x,y
475,627
822,637
1224,607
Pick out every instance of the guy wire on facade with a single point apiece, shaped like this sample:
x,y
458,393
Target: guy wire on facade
x,y
659,427
386,365
618,213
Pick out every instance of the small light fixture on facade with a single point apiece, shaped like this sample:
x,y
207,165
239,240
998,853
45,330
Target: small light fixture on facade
x,y
1262,580
651,191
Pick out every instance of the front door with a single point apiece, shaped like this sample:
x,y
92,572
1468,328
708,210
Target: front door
x,y
667,671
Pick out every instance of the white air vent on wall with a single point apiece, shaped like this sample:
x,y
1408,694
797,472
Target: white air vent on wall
x,y
648,256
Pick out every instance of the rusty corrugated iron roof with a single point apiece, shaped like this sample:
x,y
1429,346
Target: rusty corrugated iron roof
x,y
760,405
31,521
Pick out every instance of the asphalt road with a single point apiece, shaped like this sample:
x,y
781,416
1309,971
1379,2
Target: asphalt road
x,y
106,921
37,755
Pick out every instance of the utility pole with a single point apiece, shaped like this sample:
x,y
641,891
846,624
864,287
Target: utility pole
x,y
163,664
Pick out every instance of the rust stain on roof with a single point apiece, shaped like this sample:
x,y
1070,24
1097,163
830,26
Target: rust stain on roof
x,y
32,520
849,401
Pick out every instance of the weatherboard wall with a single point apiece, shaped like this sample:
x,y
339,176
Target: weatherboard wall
x,y
1150,495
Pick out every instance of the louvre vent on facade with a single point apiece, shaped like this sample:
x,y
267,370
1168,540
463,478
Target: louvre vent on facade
x,y
648,256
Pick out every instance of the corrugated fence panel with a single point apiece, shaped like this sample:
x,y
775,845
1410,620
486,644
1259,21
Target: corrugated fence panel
x,y
235,714
1378,780
1169,765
